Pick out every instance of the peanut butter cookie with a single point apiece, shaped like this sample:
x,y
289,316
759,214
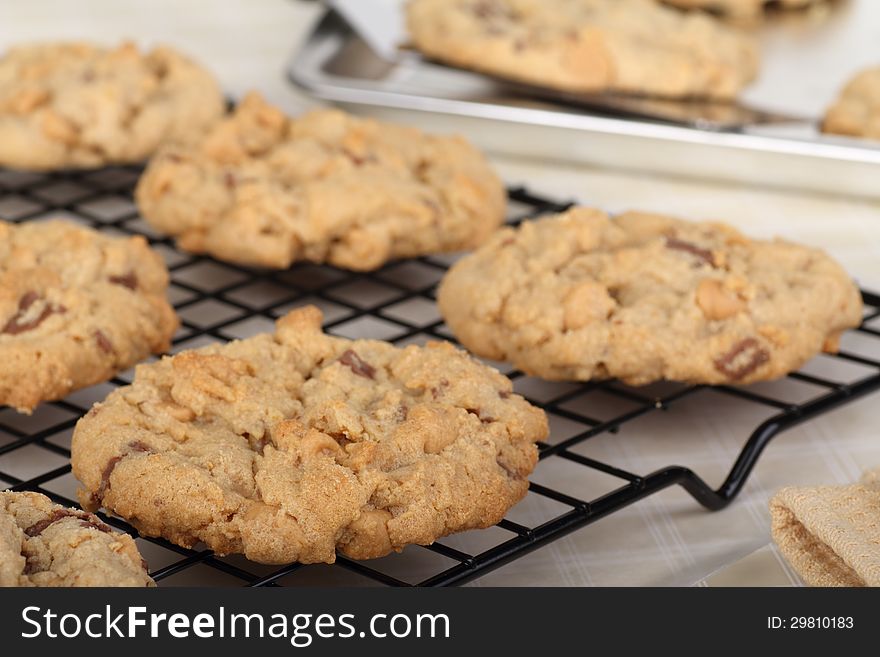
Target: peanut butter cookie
x,y
643,297
632,46
263,189
76,307
291,446
76,105
45,544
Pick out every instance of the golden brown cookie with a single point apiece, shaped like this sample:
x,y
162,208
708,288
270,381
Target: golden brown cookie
x,y
642,297
76,307
289,447
74,105
856,113
632,46
264,189
45,544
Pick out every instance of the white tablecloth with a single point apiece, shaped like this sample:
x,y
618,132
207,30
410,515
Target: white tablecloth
x,y
667,538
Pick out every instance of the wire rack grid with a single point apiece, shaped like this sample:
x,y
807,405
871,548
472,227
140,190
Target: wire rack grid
x,y
218,302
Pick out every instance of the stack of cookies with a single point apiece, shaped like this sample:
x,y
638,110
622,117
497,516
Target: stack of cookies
x,y
297,445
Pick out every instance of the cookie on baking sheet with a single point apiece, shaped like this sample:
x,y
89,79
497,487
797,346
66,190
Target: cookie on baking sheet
x,y
264,189
75,105
76,307
632,46
289,446
856,112
740,8
45,544
643,297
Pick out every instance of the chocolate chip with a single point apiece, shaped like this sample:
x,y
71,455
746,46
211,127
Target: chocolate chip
x,y
341,439
485,419
693,249
135,446
128,280
93,523
357,365
103,341
98,495
230,180
258,445
421,170
140,446
358,160
17,324
504,394
402,412
437,390
86,520
39,527
743,359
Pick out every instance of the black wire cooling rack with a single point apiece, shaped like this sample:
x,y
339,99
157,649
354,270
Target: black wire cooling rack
x,y
218,301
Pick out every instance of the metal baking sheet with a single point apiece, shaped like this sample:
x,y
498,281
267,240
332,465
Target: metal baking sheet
x,y
807,57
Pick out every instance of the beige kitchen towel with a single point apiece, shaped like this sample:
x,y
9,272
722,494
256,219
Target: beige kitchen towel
x,y
831,534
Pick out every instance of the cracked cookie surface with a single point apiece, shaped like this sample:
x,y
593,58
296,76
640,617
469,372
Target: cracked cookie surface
x,y
46,544
77,105
856,113
267,190
632,46
643,297
76,307
290,446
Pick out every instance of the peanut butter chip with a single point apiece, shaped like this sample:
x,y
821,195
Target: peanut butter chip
x,y
585,303
717,301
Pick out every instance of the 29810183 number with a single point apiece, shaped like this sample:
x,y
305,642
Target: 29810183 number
x,y
820,622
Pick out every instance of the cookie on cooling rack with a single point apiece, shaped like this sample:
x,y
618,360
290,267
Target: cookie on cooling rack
x,y
856,112
642,297
76,105
264,189
289,447
632,46
45,544
76,307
